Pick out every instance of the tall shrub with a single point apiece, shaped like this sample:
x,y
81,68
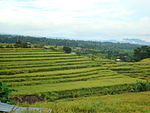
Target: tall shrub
x,y
5,93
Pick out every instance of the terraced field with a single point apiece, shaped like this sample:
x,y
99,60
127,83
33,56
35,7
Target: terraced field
x,y
139,69
56,75
121,103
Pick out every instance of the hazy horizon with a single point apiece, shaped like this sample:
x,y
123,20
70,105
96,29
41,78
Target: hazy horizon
x,y
96,20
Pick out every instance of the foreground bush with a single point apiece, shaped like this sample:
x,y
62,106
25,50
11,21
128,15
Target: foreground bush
x,y
5,93
141,86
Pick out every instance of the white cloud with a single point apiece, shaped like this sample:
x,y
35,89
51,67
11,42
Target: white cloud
x,y
123,14
73,18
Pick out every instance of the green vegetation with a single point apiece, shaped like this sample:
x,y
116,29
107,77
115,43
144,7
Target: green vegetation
x,y
120,103
67,49
142,53
58,77
27,70
21,44
5,93
66,42
123,51
133,69
141,86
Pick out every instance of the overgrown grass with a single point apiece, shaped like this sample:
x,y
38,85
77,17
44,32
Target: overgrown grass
x,y
122,103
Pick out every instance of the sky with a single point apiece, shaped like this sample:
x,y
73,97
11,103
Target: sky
x,y
77,19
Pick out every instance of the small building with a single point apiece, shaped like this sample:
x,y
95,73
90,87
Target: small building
x,y
118,60
73,53
81,49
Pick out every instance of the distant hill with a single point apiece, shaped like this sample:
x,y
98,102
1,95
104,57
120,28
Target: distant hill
x,y
130,41
136,41
67,42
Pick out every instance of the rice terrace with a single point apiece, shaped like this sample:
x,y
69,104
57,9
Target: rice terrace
x,y
74,56
71,83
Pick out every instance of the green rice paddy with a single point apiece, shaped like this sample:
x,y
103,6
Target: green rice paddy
x,y
44,72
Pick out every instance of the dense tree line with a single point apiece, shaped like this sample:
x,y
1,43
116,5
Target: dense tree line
x,y
21,44
142,53
123,51
67,42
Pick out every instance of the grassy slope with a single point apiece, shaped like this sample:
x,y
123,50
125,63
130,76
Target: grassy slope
x,y
122,103
139,69
28,70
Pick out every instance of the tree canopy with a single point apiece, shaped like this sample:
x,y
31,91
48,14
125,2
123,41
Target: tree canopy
x,y
67,49
142,53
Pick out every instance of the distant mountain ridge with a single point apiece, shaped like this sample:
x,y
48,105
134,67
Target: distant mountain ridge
x,y
66,42
131,41
136,41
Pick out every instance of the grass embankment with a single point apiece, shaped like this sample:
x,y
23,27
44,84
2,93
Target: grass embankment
x,y
122,103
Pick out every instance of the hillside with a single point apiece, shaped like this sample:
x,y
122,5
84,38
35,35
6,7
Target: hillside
x,y
55,76
122,103
66,42
75,56
27,70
